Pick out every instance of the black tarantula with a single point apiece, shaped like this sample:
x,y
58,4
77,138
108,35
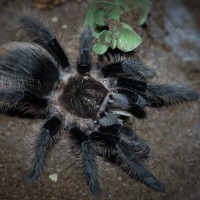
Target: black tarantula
x,y
91,103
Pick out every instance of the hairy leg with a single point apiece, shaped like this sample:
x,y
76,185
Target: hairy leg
x,y
159,95
88,155
139,145
129,101
141,173
127,67
126,153
43,145
153,95
85,55
24,100
40,34
27,66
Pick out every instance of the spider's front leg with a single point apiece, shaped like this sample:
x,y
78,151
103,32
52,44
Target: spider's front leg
x,y
88,155
45,141
40,34
128,67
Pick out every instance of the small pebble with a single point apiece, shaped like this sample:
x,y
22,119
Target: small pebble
x,y
53,177
119,178
54,19
64,26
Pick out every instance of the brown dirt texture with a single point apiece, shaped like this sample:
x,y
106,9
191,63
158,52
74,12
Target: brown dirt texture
x,y
171,45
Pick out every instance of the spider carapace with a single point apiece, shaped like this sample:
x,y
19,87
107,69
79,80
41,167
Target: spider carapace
x,y
84,93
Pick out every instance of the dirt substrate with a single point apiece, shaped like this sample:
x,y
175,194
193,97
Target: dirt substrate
x,y
171,46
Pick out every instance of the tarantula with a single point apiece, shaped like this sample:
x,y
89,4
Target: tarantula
x,y
89,102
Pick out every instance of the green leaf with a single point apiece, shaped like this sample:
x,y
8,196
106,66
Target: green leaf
x,y
89,19
114,13
124,25
102,15
105,37
127,40
99,17
143,5
108,38
144,16
114,42
100,48
104,11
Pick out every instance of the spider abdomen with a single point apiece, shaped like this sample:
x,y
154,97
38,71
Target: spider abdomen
x,y
82,96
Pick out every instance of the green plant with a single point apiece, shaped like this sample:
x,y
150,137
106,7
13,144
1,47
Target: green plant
x,y
143,7
104,18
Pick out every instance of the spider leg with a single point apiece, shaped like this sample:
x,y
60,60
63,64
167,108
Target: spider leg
x,y
44,143
155,94
138,143
40,34
130,137
141,94
88,155
25,65
164,95
139,86
128,67
132,80
141,173
136,103
85,54
133,89
19,98
107,119
126,154
113,158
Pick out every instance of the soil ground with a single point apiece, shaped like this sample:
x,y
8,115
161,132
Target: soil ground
x,y
171,46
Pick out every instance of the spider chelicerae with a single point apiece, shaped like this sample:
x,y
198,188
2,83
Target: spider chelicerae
x,y
91,103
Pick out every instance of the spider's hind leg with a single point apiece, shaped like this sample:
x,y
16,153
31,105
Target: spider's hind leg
x,y
126,153
138,143
88,155
137,167
43,145
131,138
